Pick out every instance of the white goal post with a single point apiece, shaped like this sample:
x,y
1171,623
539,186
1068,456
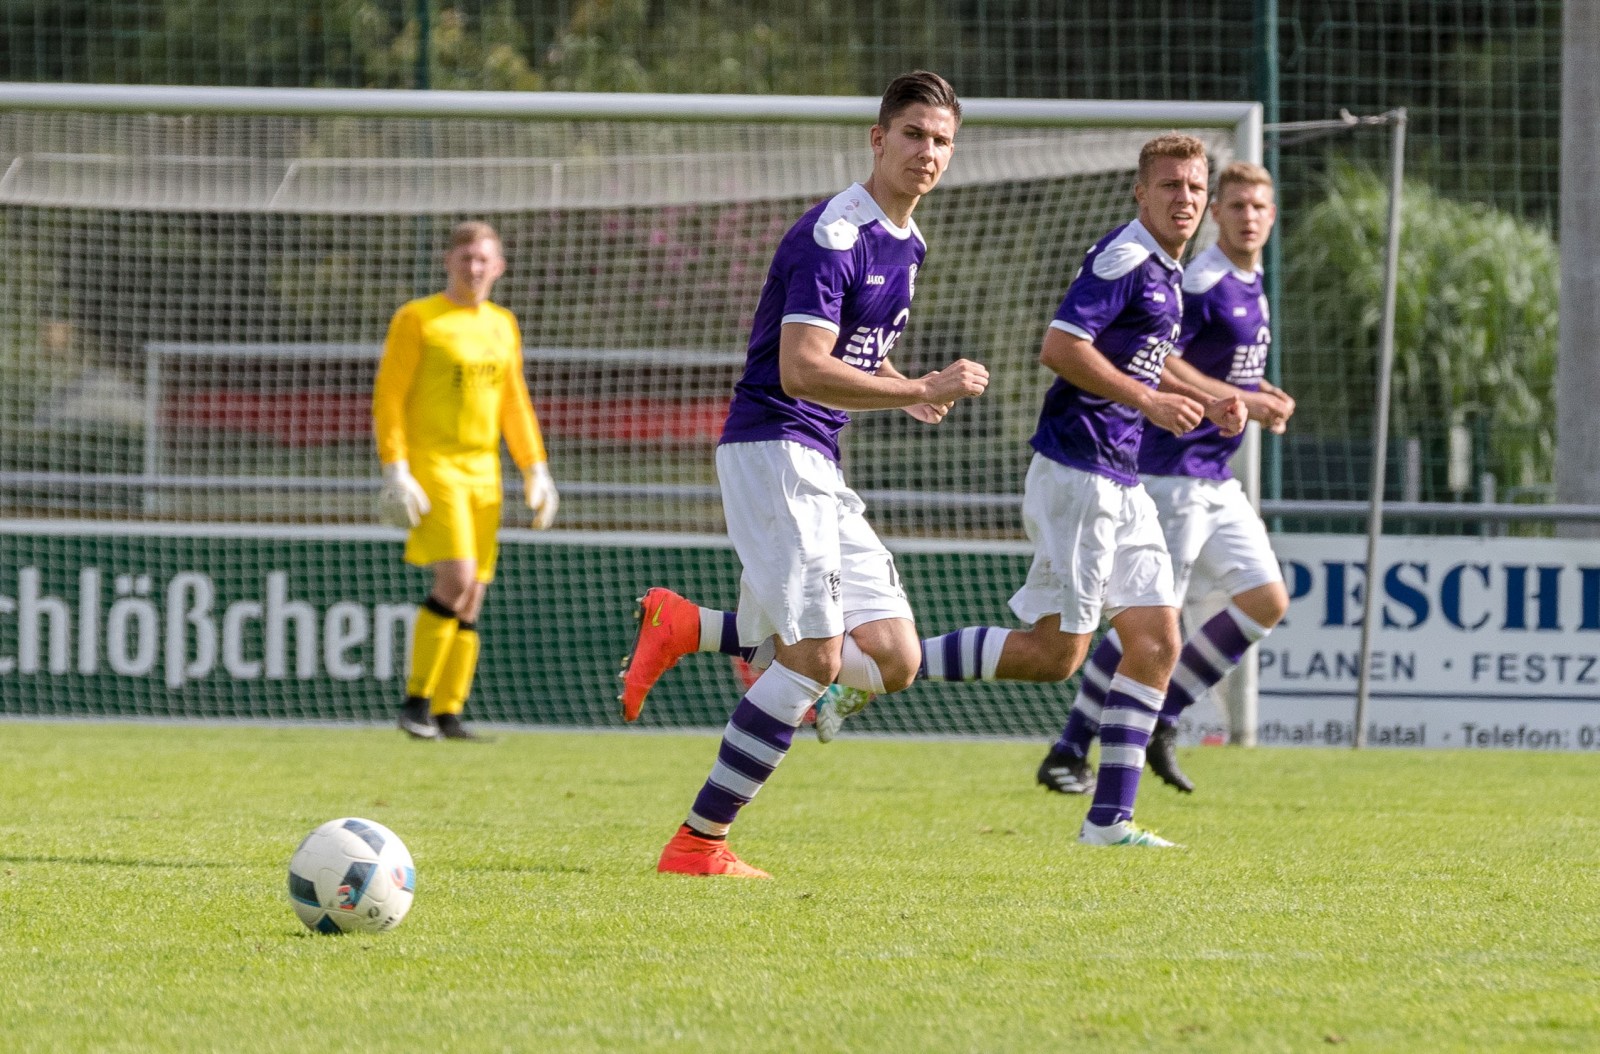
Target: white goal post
x,y
199,275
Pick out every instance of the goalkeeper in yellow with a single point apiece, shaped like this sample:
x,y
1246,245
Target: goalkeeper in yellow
x,y
449,386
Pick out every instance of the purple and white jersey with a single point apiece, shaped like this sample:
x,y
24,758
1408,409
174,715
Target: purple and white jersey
x,y
1226,333
1127,300
846,268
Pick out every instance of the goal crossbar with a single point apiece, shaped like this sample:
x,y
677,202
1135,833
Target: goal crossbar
x,y
395,102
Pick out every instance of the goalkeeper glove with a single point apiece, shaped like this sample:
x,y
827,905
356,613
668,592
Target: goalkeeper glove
x,y
401,502
539,492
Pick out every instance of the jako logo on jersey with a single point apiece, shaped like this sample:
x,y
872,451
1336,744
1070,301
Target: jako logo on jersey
x,y
911,280
874,279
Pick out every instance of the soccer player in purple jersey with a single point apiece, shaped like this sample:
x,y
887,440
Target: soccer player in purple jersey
x,y
1212,532
815,575
1097,544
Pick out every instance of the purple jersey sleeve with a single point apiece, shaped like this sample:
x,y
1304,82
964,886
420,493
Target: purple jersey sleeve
x,y
1226,334
1127,301
845,268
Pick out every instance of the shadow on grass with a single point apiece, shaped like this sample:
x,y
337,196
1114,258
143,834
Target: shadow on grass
x,y
108,861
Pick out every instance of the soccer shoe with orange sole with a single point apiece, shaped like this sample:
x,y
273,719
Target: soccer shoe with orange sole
x,y
669,629
691,854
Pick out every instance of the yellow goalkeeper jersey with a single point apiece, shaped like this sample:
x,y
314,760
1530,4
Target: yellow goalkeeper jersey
x,y
449,386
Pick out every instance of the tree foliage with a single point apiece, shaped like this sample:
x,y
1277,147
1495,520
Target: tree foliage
x,y
1475,324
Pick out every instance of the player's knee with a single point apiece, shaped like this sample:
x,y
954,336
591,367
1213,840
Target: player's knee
x,y
823,671
1274,606
446,596
1151,656
1265,605
897,673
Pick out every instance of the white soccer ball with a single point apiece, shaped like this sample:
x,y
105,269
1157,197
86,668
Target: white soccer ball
x,y
351,875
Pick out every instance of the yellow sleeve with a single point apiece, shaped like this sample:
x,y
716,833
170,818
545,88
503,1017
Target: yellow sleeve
x,y
402,349
518,423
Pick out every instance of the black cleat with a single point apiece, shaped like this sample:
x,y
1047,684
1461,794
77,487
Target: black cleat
x,y
1162,757
415,720
450,727
1065,773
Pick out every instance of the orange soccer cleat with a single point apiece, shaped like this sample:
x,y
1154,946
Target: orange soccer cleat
x,y
669,629
691,854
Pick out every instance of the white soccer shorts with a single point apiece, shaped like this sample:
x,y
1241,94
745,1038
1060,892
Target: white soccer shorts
x,y
1097,547
1215,538
813,566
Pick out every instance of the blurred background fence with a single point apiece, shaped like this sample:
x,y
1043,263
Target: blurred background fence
x,y
1476,333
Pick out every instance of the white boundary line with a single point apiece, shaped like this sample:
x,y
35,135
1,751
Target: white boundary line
x,y
517,536
493,727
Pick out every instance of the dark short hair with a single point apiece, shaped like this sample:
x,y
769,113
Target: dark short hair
x,y
920,86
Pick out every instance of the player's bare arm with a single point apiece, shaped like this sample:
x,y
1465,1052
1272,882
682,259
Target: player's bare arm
x,y
1285,407
1079,362
927,413
1226,411
809,371
1258,406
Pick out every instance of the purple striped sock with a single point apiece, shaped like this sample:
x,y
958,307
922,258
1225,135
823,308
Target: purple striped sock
x,y
1207,657
729,642
1125,726
752,745
966,655
1084,719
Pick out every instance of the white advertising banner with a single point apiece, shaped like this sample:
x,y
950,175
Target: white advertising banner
x,y
1481,643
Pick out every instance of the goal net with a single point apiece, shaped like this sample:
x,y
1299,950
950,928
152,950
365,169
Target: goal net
x,y
198,282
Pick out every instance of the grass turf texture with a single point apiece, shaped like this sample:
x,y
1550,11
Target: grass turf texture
x,y
929,898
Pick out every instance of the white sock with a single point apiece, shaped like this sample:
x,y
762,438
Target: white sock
x,y
857,669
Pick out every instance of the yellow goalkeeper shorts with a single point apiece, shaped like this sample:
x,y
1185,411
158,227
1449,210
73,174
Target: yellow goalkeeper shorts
x,y
461,525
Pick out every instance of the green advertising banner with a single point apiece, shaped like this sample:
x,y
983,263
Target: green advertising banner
x,y
121,619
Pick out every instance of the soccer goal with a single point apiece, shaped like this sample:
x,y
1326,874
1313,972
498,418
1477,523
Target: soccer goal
x,y
198,281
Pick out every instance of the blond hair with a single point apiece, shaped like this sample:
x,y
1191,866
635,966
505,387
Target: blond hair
x,y
1170,144
471,231
1243,174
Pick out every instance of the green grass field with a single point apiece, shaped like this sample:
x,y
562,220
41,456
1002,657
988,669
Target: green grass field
x,y
928,898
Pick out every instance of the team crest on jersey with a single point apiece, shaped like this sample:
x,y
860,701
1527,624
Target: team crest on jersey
x,y
911,280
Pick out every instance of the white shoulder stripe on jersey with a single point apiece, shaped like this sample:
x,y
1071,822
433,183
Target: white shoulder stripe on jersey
x,y
1118,258
1209,268
839,226
1132,247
